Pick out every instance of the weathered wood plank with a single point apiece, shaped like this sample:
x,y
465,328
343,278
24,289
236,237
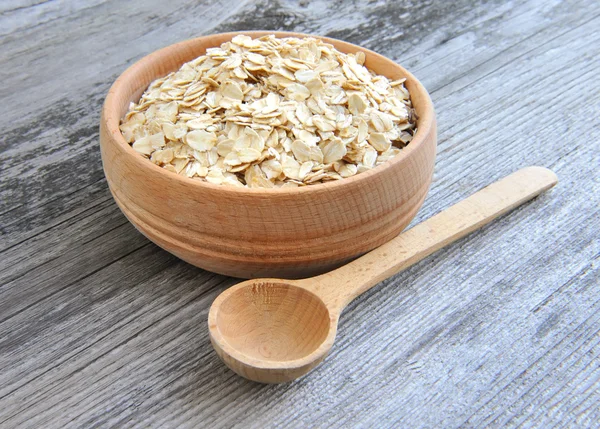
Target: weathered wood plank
x,y
101,328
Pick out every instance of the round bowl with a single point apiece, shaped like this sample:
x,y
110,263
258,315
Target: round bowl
x,y
287,233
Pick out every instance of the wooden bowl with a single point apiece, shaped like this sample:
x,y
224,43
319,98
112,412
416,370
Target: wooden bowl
x,y
287,233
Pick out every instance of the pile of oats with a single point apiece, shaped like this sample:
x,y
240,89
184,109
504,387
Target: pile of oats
x,y
271,112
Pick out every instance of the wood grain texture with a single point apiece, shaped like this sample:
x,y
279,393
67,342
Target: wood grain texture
x,y
287,233
100,328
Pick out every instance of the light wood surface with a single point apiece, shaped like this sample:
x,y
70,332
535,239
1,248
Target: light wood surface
x,y
101,328
274,331
240,232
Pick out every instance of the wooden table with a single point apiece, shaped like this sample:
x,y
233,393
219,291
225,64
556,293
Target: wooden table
x,y
101,328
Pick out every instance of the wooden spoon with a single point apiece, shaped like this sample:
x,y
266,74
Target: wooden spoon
x,y
274,330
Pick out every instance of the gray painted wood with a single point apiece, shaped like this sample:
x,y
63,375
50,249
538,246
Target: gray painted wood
x,y
101,328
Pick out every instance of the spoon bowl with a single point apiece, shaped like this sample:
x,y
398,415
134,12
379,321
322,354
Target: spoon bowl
x,y
266,325
273,330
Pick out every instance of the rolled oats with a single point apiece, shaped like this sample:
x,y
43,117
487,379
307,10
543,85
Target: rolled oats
x,y
271,112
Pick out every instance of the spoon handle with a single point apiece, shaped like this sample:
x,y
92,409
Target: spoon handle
x,y
337,288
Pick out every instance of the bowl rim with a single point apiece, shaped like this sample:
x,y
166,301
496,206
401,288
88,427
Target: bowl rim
x,y
111,119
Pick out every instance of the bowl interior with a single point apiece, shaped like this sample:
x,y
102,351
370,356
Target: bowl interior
x,y
134,81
